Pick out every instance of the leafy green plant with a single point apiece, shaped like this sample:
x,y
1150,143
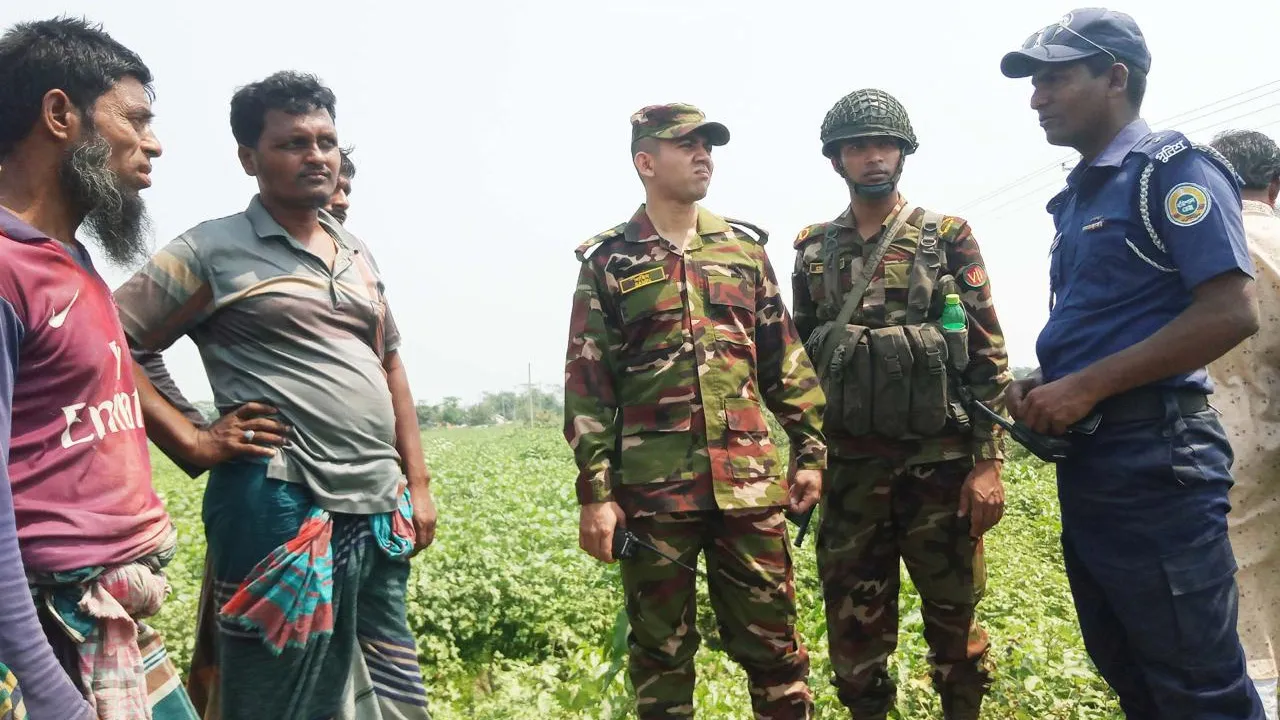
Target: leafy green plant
x,y
514,621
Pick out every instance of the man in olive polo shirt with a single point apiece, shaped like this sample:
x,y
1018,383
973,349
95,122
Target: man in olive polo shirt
x,y
288,311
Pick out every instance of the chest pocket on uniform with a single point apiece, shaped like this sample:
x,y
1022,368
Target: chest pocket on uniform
x,y
1099,259
651,308
731,294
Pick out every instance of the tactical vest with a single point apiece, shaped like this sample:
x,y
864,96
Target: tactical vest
x,y
895,380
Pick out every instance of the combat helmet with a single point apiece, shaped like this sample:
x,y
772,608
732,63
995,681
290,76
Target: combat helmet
x,y
867,113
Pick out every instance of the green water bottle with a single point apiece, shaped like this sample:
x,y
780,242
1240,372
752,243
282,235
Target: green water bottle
x,y
956,332
953,317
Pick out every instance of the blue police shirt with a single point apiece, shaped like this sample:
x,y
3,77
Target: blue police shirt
x,y
1111,284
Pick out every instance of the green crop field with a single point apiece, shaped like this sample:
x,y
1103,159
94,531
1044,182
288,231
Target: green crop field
x,y
514,621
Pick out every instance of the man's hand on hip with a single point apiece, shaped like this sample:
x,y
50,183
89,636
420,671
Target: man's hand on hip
x,y
247,431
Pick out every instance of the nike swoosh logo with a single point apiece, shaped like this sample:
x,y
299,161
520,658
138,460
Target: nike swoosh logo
x,y
58,319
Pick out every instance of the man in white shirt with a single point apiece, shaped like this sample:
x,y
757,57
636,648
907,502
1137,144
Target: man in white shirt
x,y
1247,391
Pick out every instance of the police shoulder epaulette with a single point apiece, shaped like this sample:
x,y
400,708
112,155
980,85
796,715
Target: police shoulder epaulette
x,y
761,236
584,250
813,231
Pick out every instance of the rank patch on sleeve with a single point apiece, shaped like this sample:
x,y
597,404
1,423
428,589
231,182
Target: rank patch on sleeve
x,y
973,275
1187,204
639,280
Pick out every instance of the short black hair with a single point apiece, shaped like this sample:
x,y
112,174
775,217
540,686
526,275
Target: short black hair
x,y
1136,90
1255,157
67,54
292,92
347,168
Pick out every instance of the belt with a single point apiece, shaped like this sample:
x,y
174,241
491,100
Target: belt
x,y
1148,404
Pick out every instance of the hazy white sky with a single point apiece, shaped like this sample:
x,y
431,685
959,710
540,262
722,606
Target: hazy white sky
x,y
492,137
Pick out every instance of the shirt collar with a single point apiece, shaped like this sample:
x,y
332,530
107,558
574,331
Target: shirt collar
x,y
12,227
1116,151
266,226
846,219
641,228
1260,208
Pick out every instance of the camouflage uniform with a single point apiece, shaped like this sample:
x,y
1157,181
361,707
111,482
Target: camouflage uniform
x,y
670,355
885,498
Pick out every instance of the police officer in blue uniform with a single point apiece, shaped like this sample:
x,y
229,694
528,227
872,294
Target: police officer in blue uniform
x,y
1150,280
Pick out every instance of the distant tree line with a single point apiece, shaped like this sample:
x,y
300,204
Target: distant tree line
x,y
508,406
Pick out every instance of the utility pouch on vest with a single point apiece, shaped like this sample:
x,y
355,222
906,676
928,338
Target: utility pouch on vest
x,y
891,381
929,396
856,380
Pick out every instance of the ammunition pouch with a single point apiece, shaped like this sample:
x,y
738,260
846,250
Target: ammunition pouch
x,y
893,381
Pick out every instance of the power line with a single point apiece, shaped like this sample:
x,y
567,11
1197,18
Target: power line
x,y
1178,117
1221,123
1215,111
1056,164
994,214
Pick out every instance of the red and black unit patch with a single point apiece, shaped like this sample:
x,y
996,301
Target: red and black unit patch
x,y
973,275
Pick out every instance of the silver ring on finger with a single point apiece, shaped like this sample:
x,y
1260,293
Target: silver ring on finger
x,y
248,436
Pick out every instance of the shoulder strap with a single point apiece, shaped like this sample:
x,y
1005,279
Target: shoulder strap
x,y
586,248
924,269
862,282
762,235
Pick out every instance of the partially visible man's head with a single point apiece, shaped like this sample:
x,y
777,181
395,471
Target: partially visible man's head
x,y
285,128
1087,69
339,202
73,97
671,150
1256,159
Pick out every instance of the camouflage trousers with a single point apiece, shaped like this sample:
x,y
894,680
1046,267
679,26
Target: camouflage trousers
x,y
874,513
752,594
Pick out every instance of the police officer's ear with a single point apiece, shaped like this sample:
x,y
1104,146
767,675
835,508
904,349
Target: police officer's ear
x,y
838,165
1273,190
1119,79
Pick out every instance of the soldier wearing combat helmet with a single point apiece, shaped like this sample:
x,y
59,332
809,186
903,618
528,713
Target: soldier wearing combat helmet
x,y
678,336
911,474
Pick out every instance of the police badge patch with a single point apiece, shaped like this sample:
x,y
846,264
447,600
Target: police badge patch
x,y
1187,204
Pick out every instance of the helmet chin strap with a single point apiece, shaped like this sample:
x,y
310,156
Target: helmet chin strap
x,y
878,190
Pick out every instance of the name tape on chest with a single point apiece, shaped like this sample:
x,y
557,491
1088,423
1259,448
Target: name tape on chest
x,y
1187,204
639,280
816,268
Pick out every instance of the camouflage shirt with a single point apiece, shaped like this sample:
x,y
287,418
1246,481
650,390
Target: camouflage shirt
x,y
670,355
885,303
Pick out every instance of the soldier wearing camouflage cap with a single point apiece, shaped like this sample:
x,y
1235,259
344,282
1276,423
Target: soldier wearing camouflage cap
x,y
912,474
678,335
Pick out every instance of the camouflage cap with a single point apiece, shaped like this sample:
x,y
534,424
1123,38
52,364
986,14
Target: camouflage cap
x,y
675,120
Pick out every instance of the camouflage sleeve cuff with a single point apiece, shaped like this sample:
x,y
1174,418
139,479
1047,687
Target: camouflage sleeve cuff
x,y
594,487
811,456
989,449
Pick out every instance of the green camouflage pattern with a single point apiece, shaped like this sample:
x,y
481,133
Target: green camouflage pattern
x,y
752,593
873,514
675,120
866,113
669,358
885,303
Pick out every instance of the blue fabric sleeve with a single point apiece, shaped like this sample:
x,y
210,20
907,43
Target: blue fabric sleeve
x,y
47,690
1195,208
